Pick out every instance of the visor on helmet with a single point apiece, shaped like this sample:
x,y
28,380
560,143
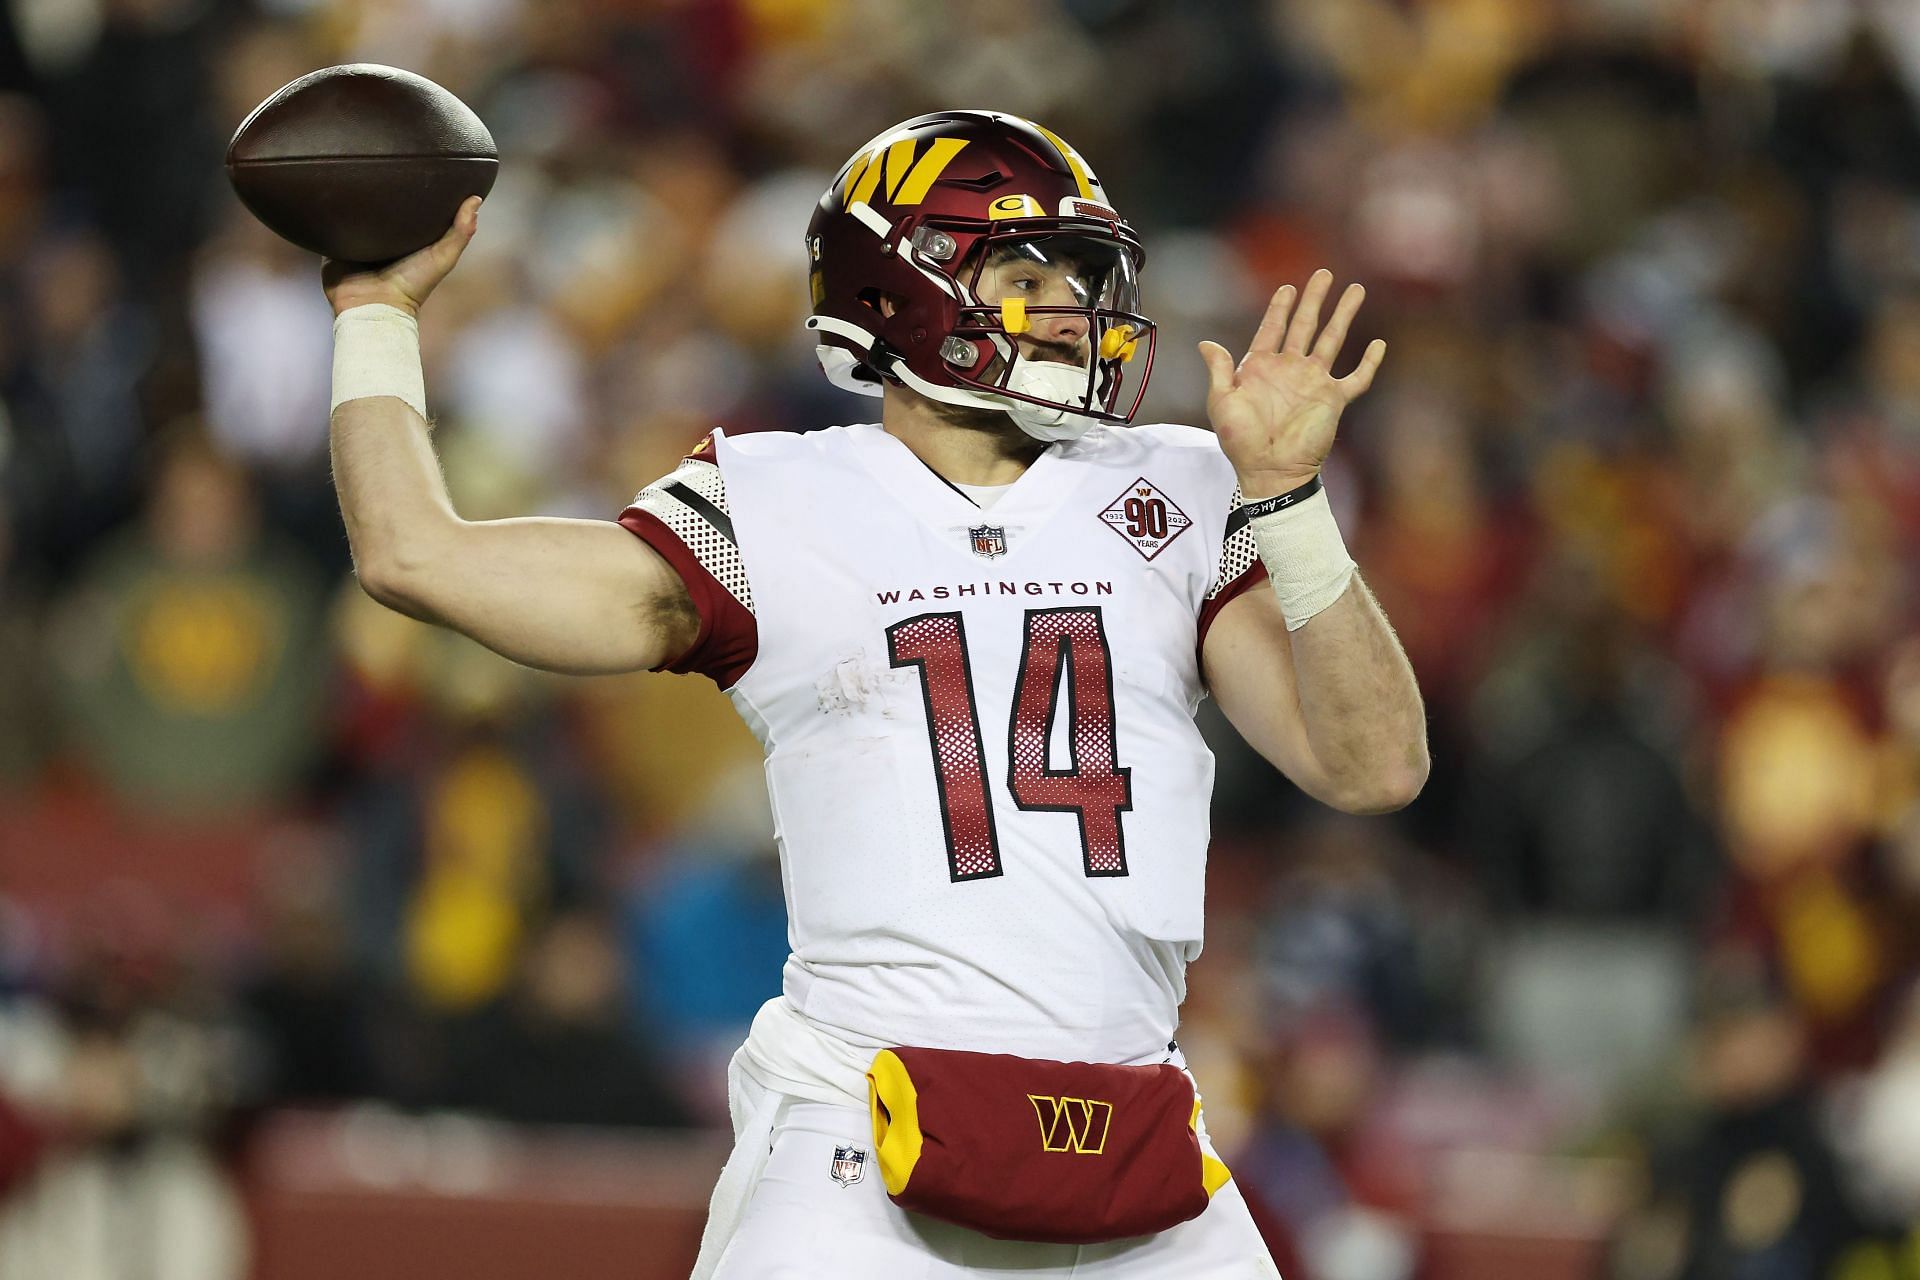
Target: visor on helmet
x,y
1097,272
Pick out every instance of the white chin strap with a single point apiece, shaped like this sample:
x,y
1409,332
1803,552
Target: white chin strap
x,y
1065,384
1046,422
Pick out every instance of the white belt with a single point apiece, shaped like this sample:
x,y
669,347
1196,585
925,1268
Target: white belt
x,y
788,1054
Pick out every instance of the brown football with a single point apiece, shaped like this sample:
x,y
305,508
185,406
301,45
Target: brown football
x,y
361,162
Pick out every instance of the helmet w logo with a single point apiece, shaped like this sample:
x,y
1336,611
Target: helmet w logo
x,y
907,172
1078,1125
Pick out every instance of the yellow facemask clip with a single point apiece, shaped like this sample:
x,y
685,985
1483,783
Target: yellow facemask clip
x,y
1118,341
1013,315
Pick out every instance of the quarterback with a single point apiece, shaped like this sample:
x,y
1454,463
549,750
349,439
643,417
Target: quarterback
x,y
971,637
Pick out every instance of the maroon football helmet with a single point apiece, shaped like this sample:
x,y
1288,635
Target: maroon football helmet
x,y
911,222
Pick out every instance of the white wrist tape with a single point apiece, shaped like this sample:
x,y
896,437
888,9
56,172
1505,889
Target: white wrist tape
x,y
1306,558
376,352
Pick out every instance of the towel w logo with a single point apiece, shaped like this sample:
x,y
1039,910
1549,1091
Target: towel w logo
x,y
1078,1125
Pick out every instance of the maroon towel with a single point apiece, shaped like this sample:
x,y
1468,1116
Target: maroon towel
x,y
1026,1149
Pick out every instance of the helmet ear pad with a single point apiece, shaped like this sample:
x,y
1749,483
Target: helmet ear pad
x,y
910,319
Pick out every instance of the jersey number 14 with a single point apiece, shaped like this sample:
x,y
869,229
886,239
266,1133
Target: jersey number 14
x,y
1094,787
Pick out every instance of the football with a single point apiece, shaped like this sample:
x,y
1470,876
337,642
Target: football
x,y
361,162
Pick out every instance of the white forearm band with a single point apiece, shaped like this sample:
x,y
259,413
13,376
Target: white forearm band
x,y
376,352
1306,558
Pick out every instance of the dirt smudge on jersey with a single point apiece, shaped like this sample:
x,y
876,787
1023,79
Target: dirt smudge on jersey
x,y
849,685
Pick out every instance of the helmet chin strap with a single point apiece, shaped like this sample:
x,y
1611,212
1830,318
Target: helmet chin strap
x,y
1063,384
1045,422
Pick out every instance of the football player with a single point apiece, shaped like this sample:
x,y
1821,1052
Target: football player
x,y
971,636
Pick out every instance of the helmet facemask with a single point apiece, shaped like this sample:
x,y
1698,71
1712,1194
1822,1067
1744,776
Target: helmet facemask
x,y
1010,282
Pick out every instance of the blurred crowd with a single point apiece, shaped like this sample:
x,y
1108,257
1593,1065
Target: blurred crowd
x,y
1631,986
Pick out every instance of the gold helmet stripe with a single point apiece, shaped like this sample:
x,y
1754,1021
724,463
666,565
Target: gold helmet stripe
x,y
924,174
1081,174
855,172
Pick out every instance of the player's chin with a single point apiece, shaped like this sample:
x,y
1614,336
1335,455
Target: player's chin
x,y
989,421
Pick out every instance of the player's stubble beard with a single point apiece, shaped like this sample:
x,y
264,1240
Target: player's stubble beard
x,y
986,422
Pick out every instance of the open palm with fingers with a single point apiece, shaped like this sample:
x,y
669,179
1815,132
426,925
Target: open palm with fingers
x,y
1276,412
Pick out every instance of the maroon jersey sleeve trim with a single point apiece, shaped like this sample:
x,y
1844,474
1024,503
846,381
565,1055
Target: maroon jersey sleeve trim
x,y
684,517
1237,570
1211,606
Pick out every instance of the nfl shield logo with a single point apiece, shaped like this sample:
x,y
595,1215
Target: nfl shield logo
x,y
849,1164
988,540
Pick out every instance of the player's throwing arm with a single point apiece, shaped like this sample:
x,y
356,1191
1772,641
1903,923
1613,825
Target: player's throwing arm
x,y
364,163
1310,673
579,596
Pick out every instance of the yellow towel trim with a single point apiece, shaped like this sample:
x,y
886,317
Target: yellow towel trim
x,y
1213,1174
895,1105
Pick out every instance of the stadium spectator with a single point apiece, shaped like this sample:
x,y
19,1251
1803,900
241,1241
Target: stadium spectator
x,y
556,1049
127,1069
1763,1189
705,935
189,648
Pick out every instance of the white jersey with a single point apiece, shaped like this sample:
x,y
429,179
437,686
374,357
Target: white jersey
x,y
990,795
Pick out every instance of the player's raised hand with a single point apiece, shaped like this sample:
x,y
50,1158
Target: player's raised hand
x,y
404,283
1276,412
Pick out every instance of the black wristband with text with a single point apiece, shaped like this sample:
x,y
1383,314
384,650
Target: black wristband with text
x,y
1280,501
